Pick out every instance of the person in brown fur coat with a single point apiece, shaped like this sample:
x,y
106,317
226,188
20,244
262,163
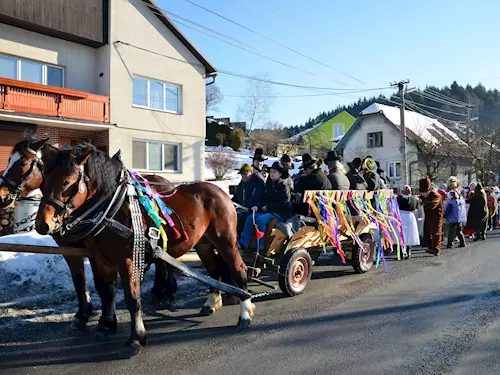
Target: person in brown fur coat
x,y
433,209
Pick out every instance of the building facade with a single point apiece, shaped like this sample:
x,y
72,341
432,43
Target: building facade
x,y
114,73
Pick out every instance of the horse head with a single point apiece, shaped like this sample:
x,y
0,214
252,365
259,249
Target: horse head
x,y
23,173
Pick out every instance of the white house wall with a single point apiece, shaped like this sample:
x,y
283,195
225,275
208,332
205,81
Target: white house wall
x,y
79,62
137,25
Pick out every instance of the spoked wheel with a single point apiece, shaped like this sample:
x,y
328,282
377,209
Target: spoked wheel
x,y
295,272
362,257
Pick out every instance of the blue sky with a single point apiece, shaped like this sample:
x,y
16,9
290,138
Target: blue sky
x,y
376,42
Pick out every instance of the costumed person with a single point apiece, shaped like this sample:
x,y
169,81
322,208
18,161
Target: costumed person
x,y
337,175
433,210
453,185
288,165
407,205
313,179
253,191
276,204
492,209
477,217
371,176
356,179
455,214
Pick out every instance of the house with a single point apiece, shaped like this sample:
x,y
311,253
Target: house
x,y
114,73
376,133
324,135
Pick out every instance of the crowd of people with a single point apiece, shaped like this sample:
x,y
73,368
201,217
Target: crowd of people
x,y
269,191
449,213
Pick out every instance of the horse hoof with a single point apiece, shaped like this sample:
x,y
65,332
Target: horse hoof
x,y
130,351
243,323
207,311
100,336
78,325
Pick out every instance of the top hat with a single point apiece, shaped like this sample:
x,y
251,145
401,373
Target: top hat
x,y
278,166
307,161
258,155
332,156
424,185
287,162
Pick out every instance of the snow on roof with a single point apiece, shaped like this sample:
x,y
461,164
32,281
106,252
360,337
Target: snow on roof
x,y
424,127
337,138
297,136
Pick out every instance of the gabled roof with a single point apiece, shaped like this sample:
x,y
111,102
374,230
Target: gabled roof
x,y
166,21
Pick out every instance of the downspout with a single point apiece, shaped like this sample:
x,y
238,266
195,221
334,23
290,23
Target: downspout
x,y
213,75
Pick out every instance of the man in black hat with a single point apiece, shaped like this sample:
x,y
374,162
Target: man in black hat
x,y
258,162
287,165
337,176
313,177
356,179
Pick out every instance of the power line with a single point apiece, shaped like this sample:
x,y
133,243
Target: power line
x,y
426,113
439,109
437,99
239,75
261,51
438,94
310,95
272,40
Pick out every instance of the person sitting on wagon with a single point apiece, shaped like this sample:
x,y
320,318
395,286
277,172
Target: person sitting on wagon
x,y
337,176
356,180
288,165
373,180
276,205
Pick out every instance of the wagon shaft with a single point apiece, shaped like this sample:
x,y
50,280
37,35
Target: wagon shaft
x,y
66,251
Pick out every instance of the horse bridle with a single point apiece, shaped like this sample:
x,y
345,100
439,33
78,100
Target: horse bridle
x,y
62,208
18,186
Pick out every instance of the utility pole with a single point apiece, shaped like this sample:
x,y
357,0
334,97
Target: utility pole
x,y
404,161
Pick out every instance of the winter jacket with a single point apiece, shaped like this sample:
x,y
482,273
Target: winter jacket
x,y
277,198
356,180
374,181
296,178
316,180
478,211
492,204
407,204
455,211
254,190
338,180
239,195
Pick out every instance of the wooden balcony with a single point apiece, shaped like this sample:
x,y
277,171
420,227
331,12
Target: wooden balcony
x,y
32,98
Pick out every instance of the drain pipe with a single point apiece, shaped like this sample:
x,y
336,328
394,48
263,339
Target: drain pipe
x,y
213,79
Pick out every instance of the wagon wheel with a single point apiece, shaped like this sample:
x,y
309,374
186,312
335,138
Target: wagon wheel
x,y
362,257
295,271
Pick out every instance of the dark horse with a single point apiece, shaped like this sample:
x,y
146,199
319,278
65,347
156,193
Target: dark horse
x,y
23,176
77,178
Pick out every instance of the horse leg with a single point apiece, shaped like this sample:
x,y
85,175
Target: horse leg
x,y
76,267
132,291
225,242
105,284
165,285
207,255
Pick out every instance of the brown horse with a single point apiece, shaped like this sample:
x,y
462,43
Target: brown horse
x,y
23,176
75,179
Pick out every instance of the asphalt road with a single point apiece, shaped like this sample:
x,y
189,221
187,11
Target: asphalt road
x,y
428,315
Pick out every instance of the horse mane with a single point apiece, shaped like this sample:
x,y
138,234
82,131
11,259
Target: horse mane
x,y
103,172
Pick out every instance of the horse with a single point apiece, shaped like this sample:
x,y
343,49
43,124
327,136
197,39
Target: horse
x,y
77,178
23,176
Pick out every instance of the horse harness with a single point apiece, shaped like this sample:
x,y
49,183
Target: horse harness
x,y
18,187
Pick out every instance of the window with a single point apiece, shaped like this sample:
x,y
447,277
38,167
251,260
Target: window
x,y
338,130
375,139
31,71
156,156
394,170
156,95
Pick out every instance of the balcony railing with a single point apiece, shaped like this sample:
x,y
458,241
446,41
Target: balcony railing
x,y
26,97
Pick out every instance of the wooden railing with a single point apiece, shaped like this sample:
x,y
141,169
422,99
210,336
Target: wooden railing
x,y
26,97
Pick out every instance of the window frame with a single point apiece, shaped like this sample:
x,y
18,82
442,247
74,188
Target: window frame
x,y
179,158
19,60
395,163
338,124
368,145
148,80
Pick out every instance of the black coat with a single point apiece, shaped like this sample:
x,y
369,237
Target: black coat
x,y
407,204
356,180
374,182
239,195
316,180
338,180
250,193
477,216
277,198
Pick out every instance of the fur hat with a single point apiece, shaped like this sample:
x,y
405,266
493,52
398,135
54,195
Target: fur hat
x,y
452,183
424,185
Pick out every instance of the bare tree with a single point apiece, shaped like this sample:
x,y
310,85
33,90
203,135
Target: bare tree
x,y
269,138
213,97
255,106
484,150
221,137
220,163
